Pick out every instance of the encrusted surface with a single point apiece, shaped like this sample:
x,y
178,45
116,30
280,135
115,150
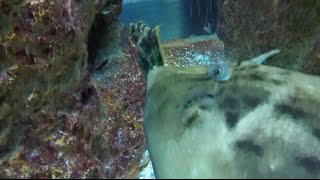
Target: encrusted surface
x,y
249,28
56,121
193,51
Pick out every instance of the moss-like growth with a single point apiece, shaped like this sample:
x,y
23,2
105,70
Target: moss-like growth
x,y
249,28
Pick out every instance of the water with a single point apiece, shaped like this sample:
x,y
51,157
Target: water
x,y
173,16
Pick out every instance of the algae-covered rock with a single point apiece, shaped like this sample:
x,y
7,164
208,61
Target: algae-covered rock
x,y
248,28
53,119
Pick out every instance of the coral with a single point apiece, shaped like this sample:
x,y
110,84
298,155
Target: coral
x,y
248,28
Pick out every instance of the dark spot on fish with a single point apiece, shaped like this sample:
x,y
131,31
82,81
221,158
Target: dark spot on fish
x,y
316,132
197,99
250,146
257,77
231,107
192,118
252,101
294,112
277,82
232,119
310,163
228,102
245,68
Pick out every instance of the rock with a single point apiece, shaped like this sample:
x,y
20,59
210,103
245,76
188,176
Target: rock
x,y
56,120
248,28
121,86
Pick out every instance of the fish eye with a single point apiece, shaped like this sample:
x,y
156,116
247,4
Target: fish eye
x,y
218,71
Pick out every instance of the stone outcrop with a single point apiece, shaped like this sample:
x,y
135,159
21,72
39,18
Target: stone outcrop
x,y
249,28
60,118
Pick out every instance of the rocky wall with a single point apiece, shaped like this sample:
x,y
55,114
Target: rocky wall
x,y
56,120
249,28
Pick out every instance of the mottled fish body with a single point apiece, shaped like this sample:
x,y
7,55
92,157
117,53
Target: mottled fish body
x,y
259,122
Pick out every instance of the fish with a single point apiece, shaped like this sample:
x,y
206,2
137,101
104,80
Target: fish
x,y
228,120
